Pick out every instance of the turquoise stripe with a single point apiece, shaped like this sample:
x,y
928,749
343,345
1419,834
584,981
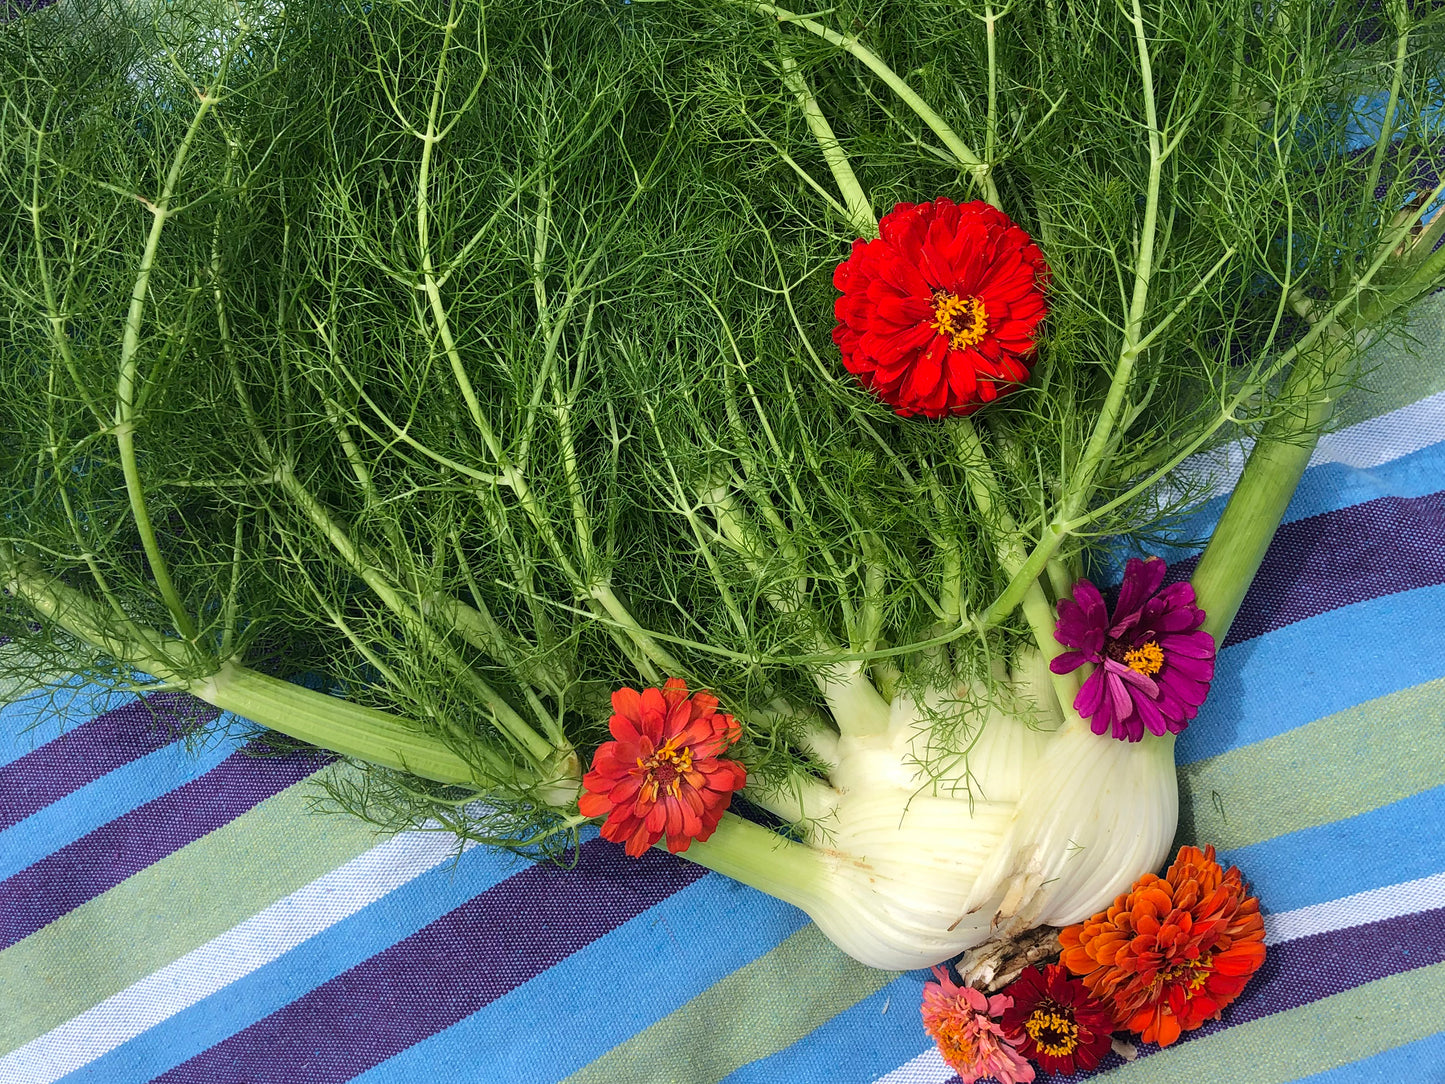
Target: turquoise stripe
x,y
1314,667
104,799
872,1038
671,953
1332,486
40,717
336,949
1395,843
1328,487
1420,1062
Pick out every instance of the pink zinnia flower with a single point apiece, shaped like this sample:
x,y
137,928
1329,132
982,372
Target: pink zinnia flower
x,y
963,1023
1152,662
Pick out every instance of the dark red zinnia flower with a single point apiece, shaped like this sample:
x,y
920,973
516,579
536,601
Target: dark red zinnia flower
x,y
938,314
1152,662
1055,1021
663,774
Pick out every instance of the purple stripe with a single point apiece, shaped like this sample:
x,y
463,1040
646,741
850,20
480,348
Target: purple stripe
x,y
82,755
1309,968
444,972
100,860
1335,559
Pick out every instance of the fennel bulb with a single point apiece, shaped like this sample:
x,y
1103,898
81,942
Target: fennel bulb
x,y
1045,828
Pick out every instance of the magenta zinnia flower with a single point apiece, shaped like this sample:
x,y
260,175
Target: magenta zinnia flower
x,y
961,1021
1152,662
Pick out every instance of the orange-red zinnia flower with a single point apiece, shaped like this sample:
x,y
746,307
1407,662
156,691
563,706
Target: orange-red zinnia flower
x,y
663,773
1174,951
938,314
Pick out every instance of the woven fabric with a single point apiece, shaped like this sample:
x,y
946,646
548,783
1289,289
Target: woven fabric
x,y
179,914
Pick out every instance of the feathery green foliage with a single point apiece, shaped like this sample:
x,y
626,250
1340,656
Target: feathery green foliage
x,y
478,358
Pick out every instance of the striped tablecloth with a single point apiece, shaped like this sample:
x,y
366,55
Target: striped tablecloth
x,y
177,914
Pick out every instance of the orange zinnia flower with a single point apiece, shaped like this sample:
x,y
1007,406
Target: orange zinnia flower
x,y
1174,951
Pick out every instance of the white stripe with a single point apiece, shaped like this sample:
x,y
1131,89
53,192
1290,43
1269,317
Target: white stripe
x,y
1367,444
928,1068
236,953
1390,436
1392,901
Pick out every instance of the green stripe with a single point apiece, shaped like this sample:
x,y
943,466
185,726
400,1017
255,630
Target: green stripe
x,y
1340,766
759,1009
170,908
1399,372
1325,1034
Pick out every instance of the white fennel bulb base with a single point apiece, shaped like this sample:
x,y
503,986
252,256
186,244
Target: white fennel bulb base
x,y
903,867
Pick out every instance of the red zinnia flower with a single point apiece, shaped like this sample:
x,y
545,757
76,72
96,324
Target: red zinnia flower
x,y
1055,1022
1174,951
962,1023
938,314
663,774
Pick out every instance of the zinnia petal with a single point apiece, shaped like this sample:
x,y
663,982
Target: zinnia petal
x,y
1194,645
1152,718
1198,670
625,702
1141,580
1068,662
594,805
1091,694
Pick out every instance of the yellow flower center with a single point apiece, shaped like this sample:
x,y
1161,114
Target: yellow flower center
x,y
1056,1035
1146,658
956,1042
962,319
665,769
1192,973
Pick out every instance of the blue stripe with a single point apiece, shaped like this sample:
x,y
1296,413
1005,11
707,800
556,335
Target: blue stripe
x,y
104,799
1332,486
347,943
874,1037
1313,668
1328,487
42,716
1366,119
1420,1062
640,972
1397,842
